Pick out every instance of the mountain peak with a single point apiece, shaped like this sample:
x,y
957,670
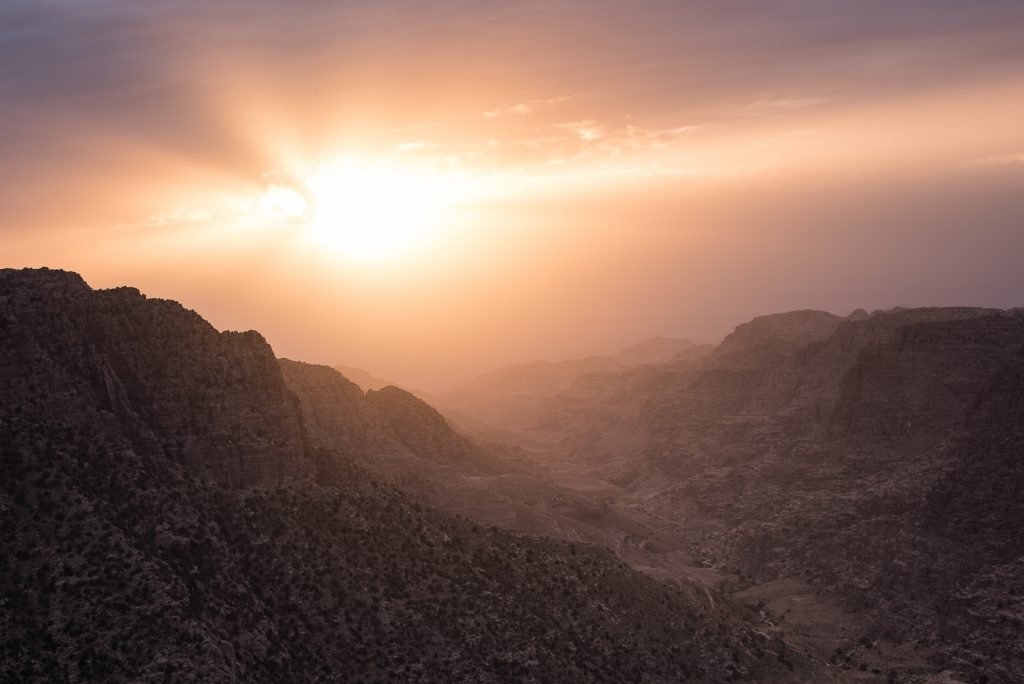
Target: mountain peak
x,y
150,372
42,278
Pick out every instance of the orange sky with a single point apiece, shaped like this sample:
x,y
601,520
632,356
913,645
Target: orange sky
x,y
427,191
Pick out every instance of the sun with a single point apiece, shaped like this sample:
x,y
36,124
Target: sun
x,y
375,210
380,209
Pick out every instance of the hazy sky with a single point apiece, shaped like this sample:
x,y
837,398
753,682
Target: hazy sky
x,y
427,190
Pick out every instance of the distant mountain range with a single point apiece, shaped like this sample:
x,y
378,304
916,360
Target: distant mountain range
x,y
502,396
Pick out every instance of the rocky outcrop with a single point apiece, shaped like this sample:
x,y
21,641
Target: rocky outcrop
x,y
334,411
766,339
810,370
881,463
152,370
382,429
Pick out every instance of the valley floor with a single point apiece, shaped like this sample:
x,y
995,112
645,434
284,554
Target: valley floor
x,y
810,621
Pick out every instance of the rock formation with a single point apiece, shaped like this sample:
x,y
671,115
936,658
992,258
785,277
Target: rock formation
x,y
157,372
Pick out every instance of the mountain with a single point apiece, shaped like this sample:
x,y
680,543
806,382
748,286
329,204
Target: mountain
x,y
173,511
868,463
156,372
389,429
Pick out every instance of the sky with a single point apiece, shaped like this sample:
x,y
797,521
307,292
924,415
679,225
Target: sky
x,y
430,190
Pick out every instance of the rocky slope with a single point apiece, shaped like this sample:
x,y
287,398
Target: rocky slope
x,y
171,513
388,430
174,385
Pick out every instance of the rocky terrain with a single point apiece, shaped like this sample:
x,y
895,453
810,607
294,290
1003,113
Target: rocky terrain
x,y
867,463
157,372
817,498
178,505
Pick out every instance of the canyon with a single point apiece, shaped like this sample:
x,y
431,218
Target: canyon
x,y
816,498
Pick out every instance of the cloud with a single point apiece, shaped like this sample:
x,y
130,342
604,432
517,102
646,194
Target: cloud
x,y
587,130
123,93
180,216
524,108
999,160
782,104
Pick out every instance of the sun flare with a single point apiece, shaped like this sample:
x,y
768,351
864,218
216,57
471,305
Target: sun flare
x,y
376,211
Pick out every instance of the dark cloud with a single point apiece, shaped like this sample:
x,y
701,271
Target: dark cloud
x,y
92,52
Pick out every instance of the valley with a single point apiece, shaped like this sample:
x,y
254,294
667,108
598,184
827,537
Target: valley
x,y
825,498
797,468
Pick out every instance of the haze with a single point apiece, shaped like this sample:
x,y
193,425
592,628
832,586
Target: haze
x,y
430,190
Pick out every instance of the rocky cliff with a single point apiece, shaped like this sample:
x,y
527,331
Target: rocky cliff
x,y
151,369
385,429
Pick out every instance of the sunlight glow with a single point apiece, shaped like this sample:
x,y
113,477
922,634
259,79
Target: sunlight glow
x,y
370,211
279,201
382,210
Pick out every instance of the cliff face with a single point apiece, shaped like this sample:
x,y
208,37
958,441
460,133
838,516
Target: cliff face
x,y
158,373
334,411
218,403
766,339
924,378
385,430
